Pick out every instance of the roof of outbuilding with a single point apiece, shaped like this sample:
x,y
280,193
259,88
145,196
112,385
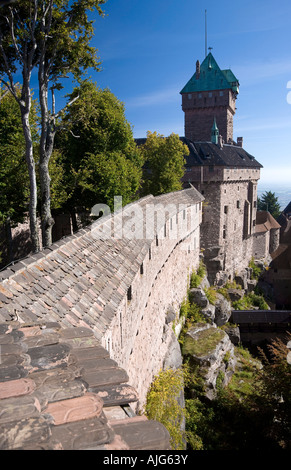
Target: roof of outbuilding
x,y
59,390
211,78
265,222
208,153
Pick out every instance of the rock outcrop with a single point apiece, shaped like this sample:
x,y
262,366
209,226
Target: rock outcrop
x,y
212,350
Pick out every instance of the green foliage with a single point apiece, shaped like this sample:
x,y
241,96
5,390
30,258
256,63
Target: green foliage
x,y
249,301
211,294
14,181
100,154
164,168
269,202
197,276
245,415
204,343
256,270
59,193
162,404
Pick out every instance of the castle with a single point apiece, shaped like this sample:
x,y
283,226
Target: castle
x,y
87,323
223,172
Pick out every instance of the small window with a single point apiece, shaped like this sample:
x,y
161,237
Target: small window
x,y
210,94
238,204
141,269
225,209
221,92
157,240
150,253
129,293
189,96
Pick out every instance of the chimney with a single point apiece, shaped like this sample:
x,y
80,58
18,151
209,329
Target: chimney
x,y
240,141
197,69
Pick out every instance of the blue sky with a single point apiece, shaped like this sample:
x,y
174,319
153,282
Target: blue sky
x,y
149,50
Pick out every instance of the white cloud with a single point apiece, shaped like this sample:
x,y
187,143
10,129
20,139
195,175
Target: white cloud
x,y
156,97
249,72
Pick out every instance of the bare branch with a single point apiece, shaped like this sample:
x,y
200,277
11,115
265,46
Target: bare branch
x,y
67,105
11,26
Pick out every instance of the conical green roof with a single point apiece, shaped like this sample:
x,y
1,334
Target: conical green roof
x,y
211,78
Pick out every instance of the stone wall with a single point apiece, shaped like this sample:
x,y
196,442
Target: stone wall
x,y
228,224
200,110
118,283
261,244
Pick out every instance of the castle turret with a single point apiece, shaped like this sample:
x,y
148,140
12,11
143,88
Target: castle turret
x,y
210,93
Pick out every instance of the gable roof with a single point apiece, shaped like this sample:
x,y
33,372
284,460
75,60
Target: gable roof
x,y
211,78
265,222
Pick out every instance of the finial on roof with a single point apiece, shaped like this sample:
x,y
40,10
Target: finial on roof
x,y
209,59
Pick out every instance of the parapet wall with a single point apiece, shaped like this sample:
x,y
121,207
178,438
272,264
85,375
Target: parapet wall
x,y
118,277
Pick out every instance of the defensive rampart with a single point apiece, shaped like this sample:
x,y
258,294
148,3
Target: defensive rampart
x,y
119,276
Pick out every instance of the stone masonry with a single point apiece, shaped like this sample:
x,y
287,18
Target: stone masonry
x,y
117,277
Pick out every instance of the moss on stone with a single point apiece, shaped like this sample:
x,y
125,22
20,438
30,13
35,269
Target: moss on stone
x,y
205,341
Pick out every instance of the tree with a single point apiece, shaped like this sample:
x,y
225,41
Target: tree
x,y
164,167
276,380
269,202
52,37
14,184
14,180
100,154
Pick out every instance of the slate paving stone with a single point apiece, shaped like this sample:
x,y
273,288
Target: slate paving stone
x,y
15,388
83,434
85,407
18,434
116,394
142,434
104,377
49,356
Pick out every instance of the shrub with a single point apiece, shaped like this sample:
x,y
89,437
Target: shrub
x,y
162,404
197,276
210,293
249,301
256,271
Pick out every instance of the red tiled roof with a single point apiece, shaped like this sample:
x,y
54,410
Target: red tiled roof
x,y
265,222
60,390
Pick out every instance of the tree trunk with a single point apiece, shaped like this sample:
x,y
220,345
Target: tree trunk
x,y
32,178
9,240
45,152
47,220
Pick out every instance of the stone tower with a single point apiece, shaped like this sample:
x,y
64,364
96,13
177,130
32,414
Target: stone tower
x,y
210,94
